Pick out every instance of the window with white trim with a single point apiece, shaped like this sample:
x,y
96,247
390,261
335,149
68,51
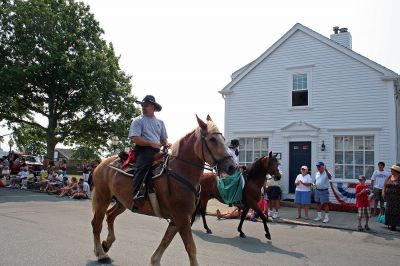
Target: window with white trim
x,y
251,149
300,89
354,156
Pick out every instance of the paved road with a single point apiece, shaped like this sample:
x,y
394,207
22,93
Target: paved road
x,y
37,229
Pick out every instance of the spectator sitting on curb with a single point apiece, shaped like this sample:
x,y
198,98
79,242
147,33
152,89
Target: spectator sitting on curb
x,y
232,214
15,181
69,189
83,190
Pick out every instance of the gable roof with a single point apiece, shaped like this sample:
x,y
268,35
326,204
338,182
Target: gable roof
x,y
242,72
299,126
67,153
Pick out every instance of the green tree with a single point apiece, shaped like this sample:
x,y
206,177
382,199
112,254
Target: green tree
x,y
30,139
55,65
86,153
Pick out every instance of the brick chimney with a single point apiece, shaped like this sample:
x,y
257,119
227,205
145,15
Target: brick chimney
x,y
341,36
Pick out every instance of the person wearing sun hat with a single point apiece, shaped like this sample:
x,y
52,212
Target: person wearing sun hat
x,y
148,134
391,194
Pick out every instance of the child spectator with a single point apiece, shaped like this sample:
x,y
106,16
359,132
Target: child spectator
x,y
69,189
273,189
83,190
362,203
43,174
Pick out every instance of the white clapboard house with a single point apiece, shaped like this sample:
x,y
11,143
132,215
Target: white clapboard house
x,y
312,98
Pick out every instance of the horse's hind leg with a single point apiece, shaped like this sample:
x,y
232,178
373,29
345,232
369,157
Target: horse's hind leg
x,y
112,213
99,205
203,216
168,236
242,217
202,207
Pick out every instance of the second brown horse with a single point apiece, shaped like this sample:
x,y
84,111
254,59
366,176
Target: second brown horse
x,y
254,181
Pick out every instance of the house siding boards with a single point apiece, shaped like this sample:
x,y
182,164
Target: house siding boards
x,y
347,95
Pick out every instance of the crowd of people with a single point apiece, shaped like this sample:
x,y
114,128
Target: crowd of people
x,y
380,198
52,177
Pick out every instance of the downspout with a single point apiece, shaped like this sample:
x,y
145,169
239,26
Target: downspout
x,y
396,84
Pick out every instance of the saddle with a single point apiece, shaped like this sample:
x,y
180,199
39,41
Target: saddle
x,y
125,163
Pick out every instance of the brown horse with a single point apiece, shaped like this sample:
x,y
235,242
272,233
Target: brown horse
x,y
177,189
255,177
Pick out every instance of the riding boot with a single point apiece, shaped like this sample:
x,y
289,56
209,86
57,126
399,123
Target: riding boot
x,y
138,196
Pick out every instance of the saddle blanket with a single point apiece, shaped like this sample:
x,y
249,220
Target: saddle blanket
x,y
230,188
128,170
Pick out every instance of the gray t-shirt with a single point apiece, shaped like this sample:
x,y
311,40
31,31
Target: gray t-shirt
x,y
151,128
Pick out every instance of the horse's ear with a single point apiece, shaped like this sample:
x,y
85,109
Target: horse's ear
x,y
270,154
202,125
209,118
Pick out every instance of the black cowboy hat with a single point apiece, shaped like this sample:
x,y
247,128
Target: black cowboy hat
x,y
234,142
152,100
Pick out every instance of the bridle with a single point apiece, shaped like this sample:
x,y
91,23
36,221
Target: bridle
x,y
216,162
184,181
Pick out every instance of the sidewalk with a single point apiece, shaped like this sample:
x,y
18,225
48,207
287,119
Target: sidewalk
x,y
337,220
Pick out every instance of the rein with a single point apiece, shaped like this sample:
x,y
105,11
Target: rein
x,y
204,167
216,161
184,181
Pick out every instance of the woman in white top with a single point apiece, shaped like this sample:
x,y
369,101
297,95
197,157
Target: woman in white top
x,y
303,184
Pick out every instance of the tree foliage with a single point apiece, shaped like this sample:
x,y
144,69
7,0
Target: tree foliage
x,y
55,65
85,153
30,139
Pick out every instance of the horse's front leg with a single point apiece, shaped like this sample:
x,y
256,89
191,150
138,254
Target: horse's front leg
x,y
166,240
184,229
99,210
264,219
242,217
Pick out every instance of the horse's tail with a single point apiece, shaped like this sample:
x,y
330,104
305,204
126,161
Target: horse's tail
x,y
94,201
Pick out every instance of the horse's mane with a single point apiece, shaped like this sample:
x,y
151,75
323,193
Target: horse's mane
x,y
255,167
211,128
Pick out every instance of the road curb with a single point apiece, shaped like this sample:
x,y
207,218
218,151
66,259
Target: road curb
x,y
321,225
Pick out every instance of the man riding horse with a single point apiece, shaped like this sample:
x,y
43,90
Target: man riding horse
x,y
148,134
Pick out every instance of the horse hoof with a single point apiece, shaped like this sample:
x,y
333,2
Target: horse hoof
x,y
268,236
104,246
104,260
209,231
242,235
